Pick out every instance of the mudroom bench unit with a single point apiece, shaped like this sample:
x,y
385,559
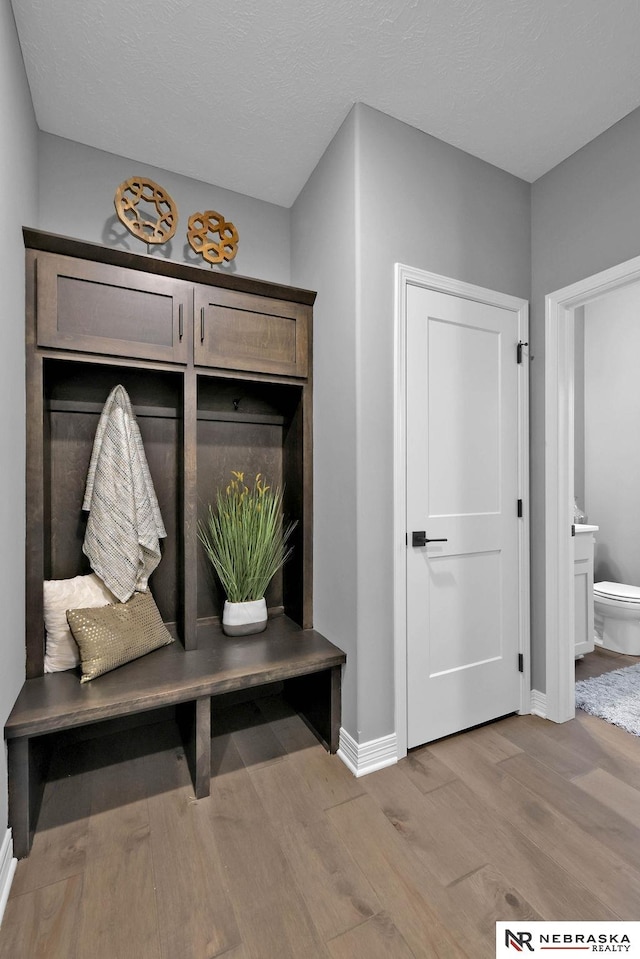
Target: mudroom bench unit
x,y
308,666
218,369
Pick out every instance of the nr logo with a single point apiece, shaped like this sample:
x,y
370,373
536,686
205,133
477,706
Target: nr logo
x,y
518,940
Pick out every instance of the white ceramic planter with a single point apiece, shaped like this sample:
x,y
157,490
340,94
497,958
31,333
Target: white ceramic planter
x,y
243,619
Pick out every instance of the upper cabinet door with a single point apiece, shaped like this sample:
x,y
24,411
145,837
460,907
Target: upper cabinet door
x,y
243,331
99,308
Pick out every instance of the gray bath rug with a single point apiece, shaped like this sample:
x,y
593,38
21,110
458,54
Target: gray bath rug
x,y
613,696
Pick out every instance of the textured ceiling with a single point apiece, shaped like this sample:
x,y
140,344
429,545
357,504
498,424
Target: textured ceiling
x,y
248,94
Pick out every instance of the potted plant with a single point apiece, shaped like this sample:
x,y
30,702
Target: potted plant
x,y
245,539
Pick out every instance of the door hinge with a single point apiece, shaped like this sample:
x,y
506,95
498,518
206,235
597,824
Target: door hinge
x,y
520,663
573,529
519,350
520,508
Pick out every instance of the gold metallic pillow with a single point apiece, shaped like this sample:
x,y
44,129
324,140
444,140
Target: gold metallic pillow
x,y
110,636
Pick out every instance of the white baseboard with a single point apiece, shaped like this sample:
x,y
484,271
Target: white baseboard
x,y
363,758
539,703
7,868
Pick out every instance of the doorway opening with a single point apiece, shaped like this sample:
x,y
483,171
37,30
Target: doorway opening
x,y
560,309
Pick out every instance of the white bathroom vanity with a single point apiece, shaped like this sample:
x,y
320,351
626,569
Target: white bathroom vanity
x,y
584,545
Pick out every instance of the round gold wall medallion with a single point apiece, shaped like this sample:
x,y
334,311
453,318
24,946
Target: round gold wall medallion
x,y
146,210
212,236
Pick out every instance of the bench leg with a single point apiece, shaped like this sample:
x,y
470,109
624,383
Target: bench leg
x,y
203,747
194,720
26,785
335,708
19,818
317,698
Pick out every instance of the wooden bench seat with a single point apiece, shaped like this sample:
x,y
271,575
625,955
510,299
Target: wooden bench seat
x,y
170,677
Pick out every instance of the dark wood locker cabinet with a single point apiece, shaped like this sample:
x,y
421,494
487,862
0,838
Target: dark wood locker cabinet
x,y
218,368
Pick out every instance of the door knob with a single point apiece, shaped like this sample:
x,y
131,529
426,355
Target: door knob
x,y
420,539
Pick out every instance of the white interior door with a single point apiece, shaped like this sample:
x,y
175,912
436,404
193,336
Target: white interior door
x,y
463,616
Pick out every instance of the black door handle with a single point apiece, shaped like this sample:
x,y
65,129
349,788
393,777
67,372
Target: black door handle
x,y
420,539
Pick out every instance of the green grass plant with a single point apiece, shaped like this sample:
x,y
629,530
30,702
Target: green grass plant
x,y
245,537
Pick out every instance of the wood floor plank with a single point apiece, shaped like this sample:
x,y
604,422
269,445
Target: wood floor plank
x,y
119,857
59,843
330,781
425,771
377,938
336,892
420,908
568,843
525,732
602,745
119,812
252,735
623,799
272,916
492,744
43,924
552,891
487,894
610,736
195,915
602,661
601,821
118,916
432,834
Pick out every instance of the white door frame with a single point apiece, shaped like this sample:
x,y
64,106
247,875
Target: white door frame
x,y
406,276
559,479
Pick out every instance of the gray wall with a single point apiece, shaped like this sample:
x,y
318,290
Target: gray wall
x,y
585,216
18,200
324,259
428,205
78,184
612,429
578,408
413,199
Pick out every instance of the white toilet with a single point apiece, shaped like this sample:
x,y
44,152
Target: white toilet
x,y
617,617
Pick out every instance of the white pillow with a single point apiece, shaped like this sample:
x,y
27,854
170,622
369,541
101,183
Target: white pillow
x,y
61,650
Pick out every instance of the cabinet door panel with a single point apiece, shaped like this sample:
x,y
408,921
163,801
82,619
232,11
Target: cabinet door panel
x,y
241,331
99,308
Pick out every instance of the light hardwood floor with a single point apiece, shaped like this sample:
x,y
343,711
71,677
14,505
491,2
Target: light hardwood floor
x,y
291,856
602,661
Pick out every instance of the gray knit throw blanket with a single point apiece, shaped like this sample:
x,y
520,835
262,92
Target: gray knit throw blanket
x,y
124,524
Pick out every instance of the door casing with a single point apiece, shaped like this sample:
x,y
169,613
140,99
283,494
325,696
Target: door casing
x,y
409,276
559,697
